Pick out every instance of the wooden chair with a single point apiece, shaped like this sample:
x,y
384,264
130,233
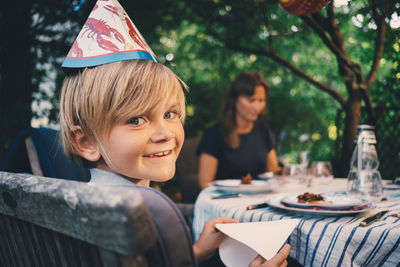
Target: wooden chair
x,y
53,222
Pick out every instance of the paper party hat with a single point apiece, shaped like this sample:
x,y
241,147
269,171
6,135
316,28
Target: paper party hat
x,y
108,35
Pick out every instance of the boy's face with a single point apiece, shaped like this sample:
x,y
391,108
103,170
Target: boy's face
x,y
145,146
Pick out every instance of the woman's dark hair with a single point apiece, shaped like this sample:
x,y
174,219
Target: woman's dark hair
x,y
243,85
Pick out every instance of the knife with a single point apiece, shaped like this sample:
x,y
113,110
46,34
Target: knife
x,y
257,206
373,218
226,196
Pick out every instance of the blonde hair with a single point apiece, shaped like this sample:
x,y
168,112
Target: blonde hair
x,y
97,98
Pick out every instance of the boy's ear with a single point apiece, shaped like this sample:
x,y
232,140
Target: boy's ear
x,y
87,146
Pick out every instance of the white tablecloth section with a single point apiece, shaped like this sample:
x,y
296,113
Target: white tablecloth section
x,y
316,241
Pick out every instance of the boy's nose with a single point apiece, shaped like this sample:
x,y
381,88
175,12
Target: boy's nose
x,y
161,133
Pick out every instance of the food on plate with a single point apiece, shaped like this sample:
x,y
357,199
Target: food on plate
x,y
312,198
246,179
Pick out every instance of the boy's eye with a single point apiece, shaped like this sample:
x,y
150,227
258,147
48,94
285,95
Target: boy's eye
x,y
170,115
136,121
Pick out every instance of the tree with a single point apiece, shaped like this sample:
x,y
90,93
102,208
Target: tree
x,y
259,27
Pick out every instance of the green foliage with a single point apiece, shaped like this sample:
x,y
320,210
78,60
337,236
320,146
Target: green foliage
x,y
208,68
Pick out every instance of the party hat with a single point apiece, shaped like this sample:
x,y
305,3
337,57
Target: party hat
x,y
108,35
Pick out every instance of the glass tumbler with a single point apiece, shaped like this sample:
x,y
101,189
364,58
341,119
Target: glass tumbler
x,y
321,172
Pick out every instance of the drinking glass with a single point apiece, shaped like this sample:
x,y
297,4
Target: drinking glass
x,y
321,172
304,158
295,172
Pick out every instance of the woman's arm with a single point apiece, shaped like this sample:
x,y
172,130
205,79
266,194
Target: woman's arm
x,y
207,169
272,161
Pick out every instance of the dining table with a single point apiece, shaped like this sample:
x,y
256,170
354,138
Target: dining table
x,y
321,238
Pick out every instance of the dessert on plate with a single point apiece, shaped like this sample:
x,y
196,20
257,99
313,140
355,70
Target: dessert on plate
x,y
248,179
312,199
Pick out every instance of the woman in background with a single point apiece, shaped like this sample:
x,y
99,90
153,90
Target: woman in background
x,y
239,143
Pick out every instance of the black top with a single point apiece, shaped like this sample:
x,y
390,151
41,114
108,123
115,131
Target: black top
x,y
249,157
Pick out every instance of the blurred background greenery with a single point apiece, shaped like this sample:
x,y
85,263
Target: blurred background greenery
x,y
207,43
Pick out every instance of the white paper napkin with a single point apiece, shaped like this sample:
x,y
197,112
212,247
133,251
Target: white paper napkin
x,y
246,240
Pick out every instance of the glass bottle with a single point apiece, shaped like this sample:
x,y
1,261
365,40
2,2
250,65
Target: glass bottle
x,y
364,178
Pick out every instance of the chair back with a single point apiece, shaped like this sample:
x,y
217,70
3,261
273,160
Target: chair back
x,y
174,237
38,151
54,222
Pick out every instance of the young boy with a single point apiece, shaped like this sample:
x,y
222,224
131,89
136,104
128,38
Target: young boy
x,y
122,116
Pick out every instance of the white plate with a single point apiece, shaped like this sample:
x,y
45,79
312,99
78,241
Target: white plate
x,y
276,203
390,186
266,175
234,185
339,202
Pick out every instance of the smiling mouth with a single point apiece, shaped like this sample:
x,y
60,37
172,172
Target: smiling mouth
x,y
159,154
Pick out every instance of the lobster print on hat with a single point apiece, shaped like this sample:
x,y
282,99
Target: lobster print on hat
x,y
96,28
108,35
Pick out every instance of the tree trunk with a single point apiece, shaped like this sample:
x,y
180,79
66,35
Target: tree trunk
x,y
352,120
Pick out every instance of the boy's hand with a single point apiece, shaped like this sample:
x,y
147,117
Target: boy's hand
x,y
210,238
279,260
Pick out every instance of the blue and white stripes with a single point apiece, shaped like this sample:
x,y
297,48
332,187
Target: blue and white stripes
x,y
316,241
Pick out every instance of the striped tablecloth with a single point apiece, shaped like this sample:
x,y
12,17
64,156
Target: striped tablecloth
x,y
317,241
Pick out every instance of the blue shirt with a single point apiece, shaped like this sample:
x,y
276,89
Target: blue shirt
x,y
99,176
